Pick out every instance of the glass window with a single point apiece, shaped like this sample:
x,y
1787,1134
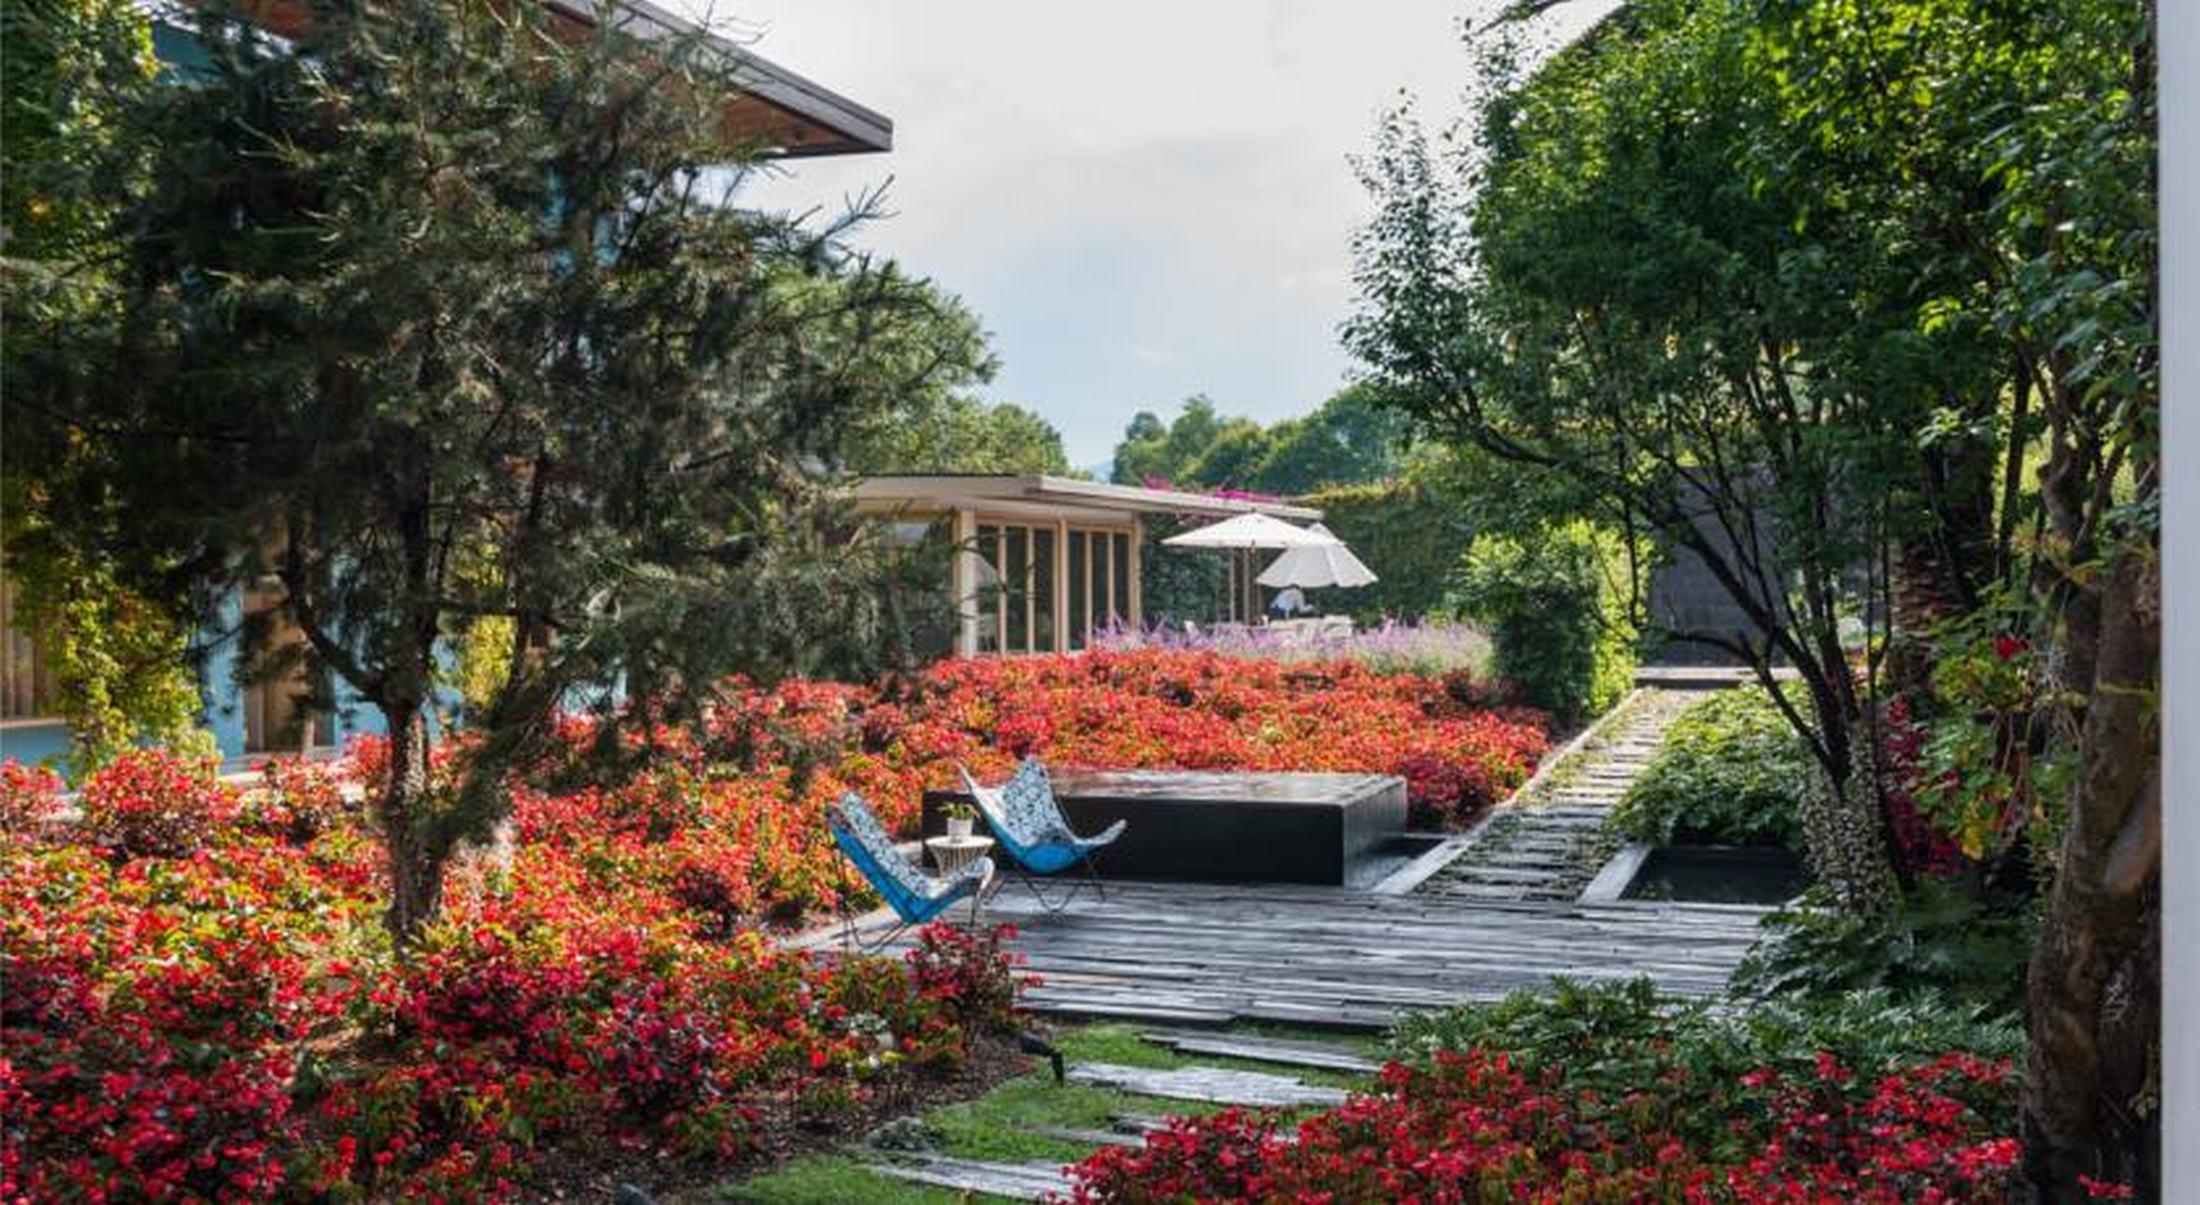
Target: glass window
x,y
989,588
1042,590
1016,556
1119,577
1080,589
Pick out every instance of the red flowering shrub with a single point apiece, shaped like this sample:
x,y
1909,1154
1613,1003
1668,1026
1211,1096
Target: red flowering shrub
x,y
1472,1127
216,1012
1920,844
973,974
28,796
152,803
298,799
155,1018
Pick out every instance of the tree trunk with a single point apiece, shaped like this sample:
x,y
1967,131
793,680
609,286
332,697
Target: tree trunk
x,y
2094,984
416,864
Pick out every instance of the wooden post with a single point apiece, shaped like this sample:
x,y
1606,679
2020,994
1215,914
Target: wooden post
x,y
963,581
1137,586
1060,601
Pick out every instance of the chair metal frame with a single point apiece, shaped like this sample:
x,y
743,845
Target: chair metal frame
x,y
914,897
1020,846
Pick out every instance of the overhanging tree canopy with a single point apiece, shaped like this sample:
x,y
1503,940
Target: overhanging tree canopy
x,y
432,319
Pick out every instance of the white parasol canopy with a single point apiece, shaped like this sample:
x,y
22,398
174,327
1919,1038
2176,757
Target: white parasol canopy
x,y
1317,566
1253,530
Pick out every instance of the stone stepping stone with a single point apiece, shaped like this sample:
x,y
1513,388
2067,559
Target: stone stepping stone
x,y
1091,1137
1215,1085
1016,1181
1288,1052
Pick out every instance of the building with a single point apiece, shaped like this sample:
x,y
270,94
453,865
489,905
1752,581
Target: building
x,y
1039,562
790,116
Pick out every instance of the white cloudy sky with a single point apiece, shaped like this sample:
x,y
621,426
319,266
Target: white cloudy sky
x,y
1142,200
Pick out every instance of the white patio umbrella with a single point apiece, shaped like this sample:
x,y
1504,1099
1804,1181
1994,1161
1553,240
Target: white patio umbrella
x,y
1251,530
1246,534
1317,567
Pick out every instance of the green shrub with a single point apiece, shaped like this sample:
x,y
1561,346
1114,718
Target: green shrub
x,y
1944,943
1410,531
1616,1040
1731,771
1557,604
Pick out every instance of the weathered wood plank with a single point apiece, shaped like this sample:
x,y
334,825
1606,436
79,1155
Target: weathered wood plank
x,y
1282,1051
1015,1181
1215,1085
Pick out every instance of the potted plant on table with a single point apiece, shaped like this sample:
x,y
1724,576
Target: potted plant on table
x,y
959,814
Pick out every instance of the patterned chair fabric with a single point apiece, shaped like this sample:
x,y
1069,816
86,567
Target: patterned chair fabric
x,y
1028,820
914,896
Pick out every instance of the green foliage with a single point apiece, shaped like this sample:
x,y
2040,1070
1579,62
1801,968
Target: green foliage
x,y
929,359
432,279
120,673
1352,438
121,666
70,64
1410,531
962,435
1617,1039
1730,771
1558,605
1945,944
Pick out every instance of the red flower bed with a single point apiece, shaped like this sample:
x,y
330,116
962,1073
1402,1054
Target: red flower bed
x,y
728,825
228,1023
200,999
1472,1128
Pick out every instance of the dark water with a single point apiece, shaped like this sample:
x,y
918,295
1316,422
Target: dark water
x,y
1387,859
1718,874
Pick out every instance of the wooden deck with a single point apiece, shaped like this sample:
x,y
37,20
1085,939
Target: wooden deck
x,y
1212,955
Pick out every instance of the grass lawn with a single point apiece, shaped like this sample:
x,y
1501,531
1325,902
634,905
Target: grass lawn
x,y
1001,1125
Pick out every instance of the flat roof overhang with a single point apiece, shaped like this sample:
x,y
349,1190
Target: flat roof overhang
x,y
1070,495
786,115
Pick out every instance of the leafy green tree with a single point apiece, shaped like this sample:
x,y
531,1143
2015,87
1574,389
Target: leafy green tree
x,y
1806,289
117,659
1351,439
1231,460
433,279
1153,451
961,435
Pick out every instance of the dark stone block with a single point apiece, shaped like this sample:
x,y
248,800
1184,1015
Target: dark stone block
x,y
1227,828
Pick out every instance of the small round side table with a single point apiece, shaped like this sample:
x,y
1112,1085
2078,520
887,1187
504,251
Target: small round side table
x,y
950,854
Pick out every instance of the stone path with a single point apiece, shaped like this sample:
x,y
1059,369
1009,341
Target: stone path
x,y
1032,1181
1548,843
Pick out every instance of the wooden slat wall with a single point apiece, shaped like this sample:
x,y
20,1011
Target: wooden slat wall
x,y
25,684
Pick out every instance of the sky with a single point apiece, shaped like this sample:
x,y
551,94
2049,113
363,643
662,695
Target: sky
x,y
1141,201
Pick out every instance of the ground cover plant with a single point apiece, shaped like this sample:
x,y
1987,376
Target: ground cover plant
x,y
201,998
201,1002
1730,771
1427,649
1611,1093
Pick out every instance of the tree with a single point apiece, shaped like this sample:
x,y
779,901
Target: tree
x,y
1495,317
1152,451
961,435
116,658
439,314
1351,439
929,363
1810,289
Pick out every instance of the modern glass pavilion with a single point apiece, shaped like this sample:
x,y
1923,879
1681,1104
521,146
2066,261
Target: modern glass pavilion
x,y
1042,562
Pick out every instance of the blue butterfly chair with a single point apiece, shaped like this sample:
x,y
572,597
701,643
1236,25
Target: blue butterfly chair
x,y
915,897
1029,824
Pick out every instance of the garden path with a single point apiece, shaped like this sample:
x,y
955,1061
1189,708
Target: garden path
x,y
1164,1089
1194,954
1549,840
